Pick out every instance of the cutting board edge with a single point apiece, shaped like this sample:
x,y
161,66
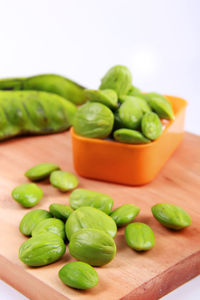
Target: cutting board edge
x,y
22,281
164,283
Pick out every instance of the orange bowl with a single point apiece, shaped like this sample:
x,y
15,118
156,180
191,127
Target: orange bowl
x,y
125,163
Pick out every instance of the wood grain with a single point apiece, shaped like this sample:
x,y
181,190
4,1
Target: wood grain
x,y
174,260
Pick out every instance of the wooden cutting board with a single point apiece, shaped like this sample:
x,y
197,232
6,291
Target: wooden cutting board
x,y
174,260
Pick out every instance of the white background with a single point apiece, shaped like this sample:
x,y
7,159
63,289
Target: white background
x,y
159,40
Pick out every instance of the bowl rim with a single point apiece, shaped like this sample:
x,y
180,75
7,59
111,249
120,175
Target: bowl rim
x,y
118,144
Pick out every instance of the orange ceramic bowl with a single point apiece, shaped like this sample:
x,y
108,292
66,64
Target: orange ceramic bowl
x,y
125,163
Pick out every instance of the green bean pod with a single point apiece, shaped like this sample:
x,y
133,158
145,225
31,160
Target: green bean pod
x,y
33,113
51,83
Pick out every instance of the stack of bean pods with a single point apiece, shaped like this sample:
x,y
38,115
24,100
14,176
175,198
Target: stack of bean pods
x,y
37,105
